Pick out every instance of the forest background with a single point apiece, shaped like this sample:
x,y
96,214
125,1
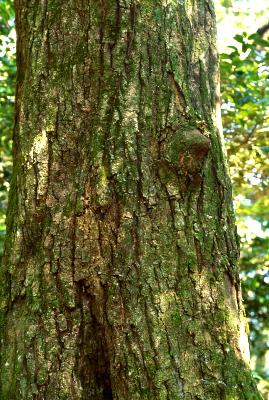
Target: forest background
x,y
244,63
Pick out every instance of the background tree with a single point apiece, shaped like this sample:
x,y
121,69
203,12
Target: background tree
x,y
119,271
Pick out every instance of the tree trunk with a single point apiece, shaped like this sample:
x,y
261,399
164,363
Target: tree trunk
x,y
120,275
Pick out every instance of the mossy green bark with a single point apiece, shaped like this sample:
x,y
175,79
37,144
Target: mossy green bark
x,y
120,272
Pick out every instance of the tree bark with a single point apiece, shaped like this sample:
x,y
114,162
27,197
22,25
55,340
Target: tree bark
x,y
119,278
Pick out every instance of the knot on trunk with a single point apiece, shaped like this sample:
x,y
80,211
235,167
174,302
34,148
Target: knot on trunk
x,y
186,151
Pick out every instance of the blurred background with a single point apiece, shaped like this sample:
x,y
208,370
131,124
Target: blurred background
x,y
243,42
243,34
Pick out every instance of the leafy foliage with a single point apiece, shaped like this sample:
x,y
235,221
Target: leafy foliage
x,y
246,120
245,109
7,90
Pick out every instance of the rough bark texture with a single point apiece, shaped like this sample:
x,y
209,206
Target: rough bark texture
x,y
119,278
